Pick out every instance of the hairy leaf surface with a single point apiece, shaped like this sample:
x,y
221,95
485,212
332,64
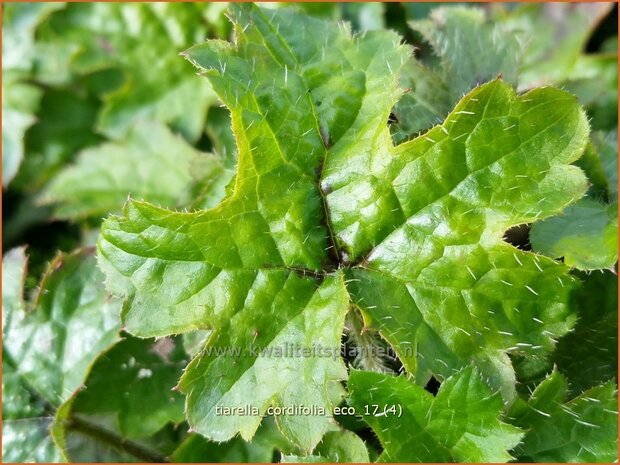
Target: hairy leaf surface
x,y
584,429
321,194
435,276
336,447
461,424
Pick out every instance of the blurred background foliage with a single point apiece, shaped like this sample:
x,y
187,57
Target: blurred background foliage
x,y
97,105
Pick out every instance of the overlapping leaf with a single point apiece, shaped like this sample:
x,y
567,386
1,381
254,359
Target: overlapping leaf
x,y
320,186
435,275
588,356
72,321
458,37
338,446
132,37
462,424
553,37
585,234
51,346
584,429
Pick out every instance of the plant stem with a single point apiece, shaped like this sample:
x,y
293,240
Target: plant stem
x,y
84,426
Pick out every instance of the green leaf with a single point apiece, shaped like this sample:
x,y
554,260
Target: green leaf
x,y
65,125
321,194
434,276
73,320
18,400
143,40
586,232
600,163
552,37
28,440
268,440
81,436
126,408
20,101
265,241
459,37
606,145
584,429
134,381
14,125
152,164
461,424
335,447
19,22
594,80
588,356
585,235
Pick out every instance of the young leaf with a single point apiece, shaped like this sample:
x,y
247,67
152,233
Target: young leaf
x,y
584,429
152,164
461,424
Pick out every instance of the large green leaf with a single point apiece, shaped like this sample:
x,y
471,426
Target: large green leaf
x,y
417,229
49,344
459,37
152,164
462,423
265,241
584,429
434,276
